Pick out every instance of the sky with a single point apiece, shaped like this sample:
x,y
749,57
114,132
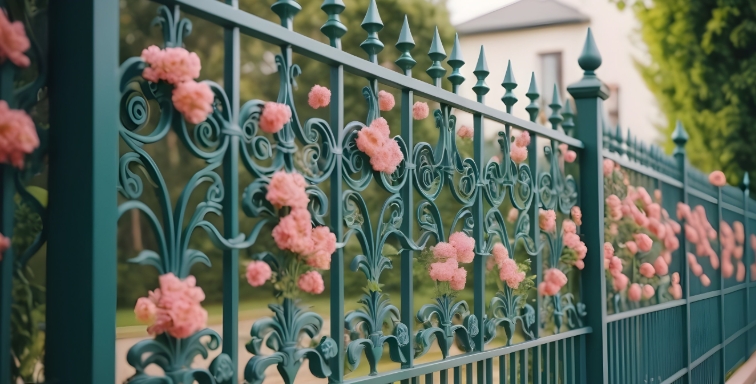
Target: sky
x,y
463,10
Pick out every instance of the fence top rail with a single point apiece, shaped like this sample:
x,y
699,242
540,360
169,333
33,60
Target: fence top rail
x,y
642,311
249,24
643,169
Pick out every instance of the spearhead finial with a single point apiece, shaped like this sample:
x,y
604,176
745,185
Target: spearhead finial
x,y
679,137
509,83
286,10
456,62
568,114
333,27
533,95
372,23
618,139
437,54
405,44
556,105
481,72
745,183
590,58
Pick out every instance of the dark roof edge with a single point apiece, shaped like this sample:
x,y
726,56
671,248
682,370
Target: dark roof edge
x,y
529,26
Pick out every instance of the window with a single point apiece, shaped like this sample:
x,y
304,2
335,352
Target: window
x,y
612,105
551,73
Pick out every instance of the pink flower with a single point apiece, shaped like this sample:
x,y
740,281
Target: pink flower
x,y
653,210
570,156
705,281
675,278
388,158
193,100
555,276
13,41
500,254
644,242
571,240
613,229
608,167
512,215
634,293
258,272
274,116
568,226
547,220
177,307
577,215
717,179
495,159
683,211
727,269
620,282
608,250
581,250
311,282
647,270
294,232
667,256
465,246
457,282
632,247
287,190
660,266
420,110
644,196
465,132
615,265
579,264
444,251
739,232
563,148
5,243
648,291
385,101
18,135
671,243
676,291
518,154
324,245
657,195
319,97
753,272
657,228
548,289
523,140
385,153
145,311
172,65
507,269
443,271
613,202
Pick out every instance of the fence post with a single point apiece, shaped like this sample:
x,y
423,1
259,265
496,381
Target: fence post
x,y
589,94
680,138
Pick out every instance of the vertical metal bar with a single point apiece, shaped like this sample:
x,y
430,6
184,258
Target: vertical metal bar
x,y
444,376
479,264
722,361
589,94
469,373
231,77
513,368
502,369
428,378
489,371
524,367
83,94
7,208
337,261
680,138
457,375
407,195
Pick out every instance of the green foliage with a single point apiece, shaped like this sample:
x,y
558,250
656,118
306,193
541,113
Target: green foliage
x,y
703,72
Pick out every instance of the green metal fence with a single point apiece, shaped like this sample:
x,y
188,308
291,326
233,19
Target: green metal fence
x,y
586,330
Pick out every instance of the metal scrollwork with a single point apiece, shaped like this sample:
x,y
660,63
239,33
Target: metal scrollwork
x,y
445,309
556,191
504,311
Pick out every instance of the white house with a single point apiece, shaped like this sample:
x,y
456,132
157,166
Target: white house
x,y
546,37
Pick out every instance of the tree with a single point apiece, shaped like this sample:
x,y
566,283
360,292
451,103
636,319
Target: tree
x,y
703,72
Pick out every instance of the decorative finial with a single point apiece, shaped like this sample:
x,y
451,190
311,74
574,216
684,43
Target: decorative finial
x,y
590,58
568,114
533,95
618,138
556,105
372,24
456,62
481,72
286,10
333,27
405,44
680,137
631,152
509,83
745,184
437,55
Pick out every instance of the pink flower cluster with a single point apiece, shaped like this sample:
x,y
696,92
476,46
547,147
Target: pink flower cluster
x,y
752,241
675,289
636,292
5,244
13,42
274,116
547,220
465,132
717,179
572,241
512,215
319,97
384,152
459,249
420,110
18,135
569,155
553,281
732,243
608,167
173,308
519,151
700,233
613,264
509,271
385,101
258,272
179,67
577,215
311,282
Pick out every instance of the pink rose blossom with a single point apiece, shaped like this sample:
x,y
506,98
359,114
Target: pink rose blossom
x,y
674,226
420,110
18,135
675,278
608,250
274,116
717,179
174,65
676,291
258,272
145,310
444,251
465,132
577,215
648,291
683,211
570,156
294,232
608,167
647,270
705,281
740,275
667,256
507,269
193,100
657,228
644,242
613,229
457,282
714,260
653,211
512,215
615,265
311,282
613,202
523,140
571,240
548,289
385,101
547,220
581,250
324,245
568,226
620,282
739,232
443,271
634,293
518,154
671,243
579,264
632,247
555,277
737,253
287,190
500,254
727,269
644,196
13,42
563,148
177,308
465,246
660,266
319,97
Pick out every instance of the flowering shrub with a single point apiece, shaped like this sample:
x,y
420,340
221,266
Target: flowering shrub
x,y
639,237
174,308
443,263
306,249
511,273
573,250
